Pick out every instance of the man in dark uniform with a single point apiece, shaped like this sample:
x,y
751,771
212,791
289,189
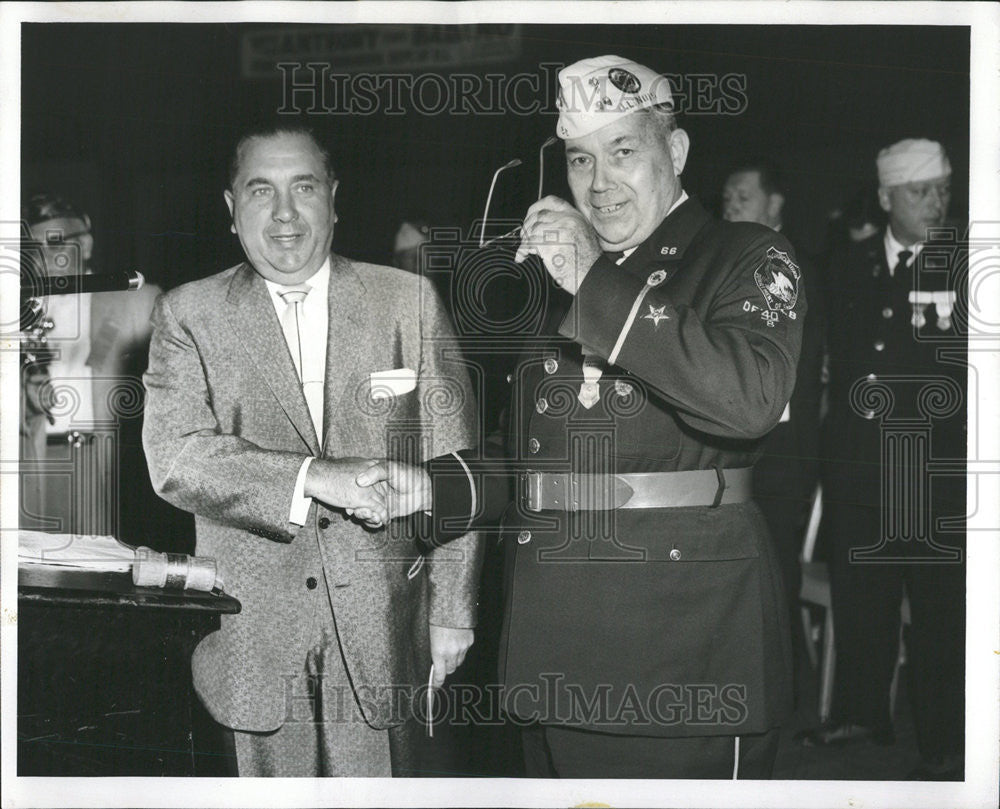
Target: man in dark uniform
x,y
785,474
897,408
645,632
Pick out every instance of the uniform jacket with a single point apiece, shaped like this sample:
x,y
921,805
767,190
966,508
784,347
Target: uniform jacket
x,y
887,373
227,429
618,620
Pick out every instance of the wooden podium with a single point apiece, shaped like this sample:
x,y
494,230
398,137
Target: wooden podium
x,y
104,676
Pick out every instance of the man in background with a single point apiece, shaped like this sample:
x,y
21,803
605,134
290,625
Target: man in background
x,y
80,419
897,402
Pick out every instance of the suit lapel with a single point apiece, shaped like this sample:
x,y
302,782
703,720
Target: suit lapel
x,y
251,314
347,350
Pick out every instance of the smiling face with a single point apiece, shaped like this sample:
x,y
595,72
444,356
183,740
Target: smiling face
x,y
282,207
624,178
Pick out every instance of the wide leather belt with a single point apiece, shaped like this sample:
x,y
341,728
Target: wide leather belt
x,y
567,491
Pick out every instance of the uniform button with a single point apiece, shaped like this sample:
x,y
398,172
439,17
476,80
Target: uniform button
x,y
551,366
675,555
869,414
533,445
879,345
324,522
510,378
542,405
871,377
311,583
524,538
887,312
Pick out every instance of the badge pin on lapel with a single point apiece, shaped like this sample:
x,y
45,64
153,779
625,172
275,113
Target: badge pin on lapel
x,y
590,390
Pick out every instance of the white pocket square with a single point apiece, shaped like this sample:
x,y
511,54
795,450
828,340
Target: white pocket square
x,y
385,384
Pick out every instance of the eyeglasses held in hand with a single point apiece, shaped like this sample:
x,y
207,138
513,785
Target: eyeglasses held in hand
x,y
489,197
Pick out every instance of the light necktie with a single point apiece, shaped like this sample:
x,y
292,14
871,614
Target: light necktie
x,y
292,324
291,321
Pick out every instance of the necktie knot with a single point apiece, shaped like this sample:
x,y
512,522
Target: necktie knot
x,y
615,256
296,294
904,257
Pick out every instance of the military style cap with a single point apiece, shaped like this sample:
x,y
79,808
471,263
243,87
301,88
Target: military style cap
x,y
596,92
912,161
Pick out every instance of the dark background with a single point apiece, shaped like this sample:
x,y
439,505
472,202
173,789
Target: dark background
x,y
137,122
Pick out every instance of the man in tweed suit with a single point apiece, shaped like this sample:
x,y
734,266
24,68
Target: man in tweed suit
x,y
256,424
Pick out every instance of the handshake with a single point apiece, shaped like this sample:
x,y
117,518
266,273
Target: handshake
x,y
373,492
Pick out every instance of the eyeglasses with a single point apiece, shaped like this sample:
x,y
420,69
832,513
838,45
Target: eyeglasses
x,y
489,197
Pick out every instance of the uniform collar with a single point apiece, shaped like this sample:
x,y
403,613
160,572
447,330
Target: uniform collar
x,y
671,238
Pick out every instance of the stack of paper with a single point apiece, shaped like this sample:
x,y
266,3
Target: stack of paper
x,y
103,553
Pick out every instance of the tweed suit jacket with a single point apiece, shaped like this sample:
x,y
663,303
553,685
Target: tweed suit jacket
x,y
226,431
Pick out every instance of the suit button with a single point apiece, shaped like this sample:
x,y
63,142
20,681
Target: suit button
x,y
524,538
879,345
510,378
311,582
869,414
324,522
871,377
533,445
675,555
542,405
887,312
551,366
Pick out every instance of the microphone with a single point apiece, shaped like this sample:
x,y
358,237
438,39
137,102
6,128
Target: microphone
x,y
489,197
36,287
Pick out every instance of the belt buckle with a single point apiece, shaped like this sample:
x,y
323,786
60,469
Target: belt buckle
x,y
531,490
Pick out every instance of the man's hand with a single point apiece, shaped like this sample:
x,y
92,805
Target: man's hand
x,y
333,483
408,488
567,244
448,648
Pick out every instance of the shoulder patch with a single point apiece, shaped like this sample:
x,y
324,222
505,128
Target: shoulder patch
x,y
777,278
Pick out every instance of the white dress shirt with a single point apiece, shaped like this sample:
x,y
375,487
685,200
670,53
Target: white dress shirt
x,y
313,332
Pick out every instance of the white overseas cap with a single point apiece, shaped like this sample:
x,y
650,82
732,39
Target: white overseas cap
x,y
598,91
912,161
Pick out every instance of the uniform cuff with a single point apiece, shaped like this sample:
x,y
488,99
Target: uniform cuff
x,y
453,499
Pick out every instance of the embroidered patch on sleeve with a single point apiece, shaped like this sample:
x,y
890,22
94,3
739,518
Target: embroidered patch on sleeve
x,y
777,278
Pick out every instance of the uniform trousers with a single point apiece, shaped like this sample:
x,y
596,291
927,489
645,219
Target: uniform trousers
x,y
866,609
561,752
324,733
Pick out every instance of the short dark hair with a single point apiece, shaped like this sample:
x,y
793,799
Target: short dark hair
x,y
270,129
45,205
772,180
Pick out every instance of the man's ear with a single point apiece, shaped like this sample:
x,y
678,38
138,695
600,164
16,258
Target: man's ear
x,y
333,196
884,201
679,145
230,203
